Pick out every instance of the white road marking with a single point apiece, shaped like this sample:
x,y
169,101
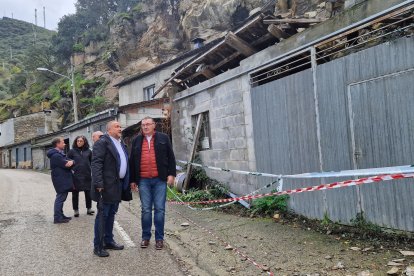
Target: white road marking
x,y
124,235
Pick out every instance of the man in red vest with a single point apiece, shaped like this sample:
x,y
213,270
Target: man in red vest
x,y
152,165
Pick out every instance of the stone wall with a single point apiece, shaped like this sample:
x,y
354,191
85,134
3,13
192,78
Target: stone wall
x,y
30,126
39,158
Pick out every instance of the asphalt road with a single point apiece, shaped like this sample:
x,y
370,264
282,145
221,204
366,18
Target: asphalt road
x,y
30,244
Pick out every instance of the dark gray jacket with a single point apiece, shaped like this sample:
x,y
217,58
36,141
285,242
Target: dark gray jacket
x,y
105,171
82,168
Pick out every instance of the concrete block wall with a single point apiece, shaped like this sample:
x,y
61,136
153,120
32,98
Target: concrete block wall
x,y
39,158
230,129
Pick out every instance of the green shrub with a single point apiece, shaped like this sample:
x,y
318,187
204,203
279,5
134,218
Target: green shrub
x,y
360,222
267,206
78,48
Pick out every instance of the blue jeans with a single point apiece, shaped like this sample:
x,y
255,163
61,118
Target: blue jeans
x,y
58,207
109,211
152,192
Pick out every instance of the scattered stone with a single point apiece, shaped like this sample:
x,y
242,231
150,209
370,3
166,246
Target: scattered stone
x,y
398,260
211,242
366,249
393,271
185,224
243,259
354,248
328,232
407,253
276,216
339,265
228,247
409,271
231,269
311,14
328,257
265,268
365,273
212,251
394,264
322,5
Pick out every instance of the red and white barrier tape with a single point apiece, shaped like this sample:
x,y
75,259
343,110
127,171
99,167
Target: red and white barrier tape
x,y
334,185
234,249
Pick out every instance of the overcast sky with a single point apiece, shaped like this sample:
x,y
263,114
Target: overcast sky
x,y
25,10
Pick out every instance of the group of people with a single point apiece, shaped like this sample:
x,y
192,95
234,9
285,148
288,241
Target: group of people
x,y
109,173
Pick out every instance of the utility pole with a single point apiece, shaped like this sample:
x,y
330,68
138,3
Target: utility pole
x,y
44,18
36,17
75,99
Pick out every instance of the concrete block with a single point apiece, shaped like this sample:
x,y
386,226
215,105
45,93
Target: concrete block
x,y
224,155
239,119
240,143
238,155
237,132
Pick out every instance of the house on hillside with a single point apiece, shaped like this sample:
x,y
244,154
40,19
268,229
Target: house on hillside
x,y
15,135
335,96
136,94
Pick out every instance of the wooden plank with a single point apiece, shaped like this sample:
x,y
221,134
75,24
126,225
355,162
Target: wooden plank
x,y
277,32
239,44
208,73
193,151
292,21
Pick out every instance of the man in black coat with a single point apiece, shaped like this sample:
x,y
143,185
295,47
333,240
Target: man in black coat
x,y
110,182
152,166
61,177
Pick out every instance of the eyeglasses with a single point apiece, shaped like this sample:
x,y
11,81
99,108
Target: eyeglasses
x,y
145,125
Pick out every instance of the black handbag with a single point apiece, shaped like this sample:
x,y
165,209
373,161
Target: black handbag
x,y
126,194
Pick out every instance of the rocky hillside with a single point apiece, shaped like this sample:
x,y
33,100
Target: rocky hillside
x,y
155,31
108,44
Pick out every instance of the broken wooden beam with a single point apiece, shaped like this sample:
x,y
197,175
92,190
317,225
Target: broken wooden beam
x,y
277,32
208,73
193,151
292,21
239,44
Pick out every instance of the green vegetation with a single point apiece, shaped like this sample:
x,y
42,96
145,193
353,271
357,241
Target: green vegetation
x,y
362,224
25,47
267,206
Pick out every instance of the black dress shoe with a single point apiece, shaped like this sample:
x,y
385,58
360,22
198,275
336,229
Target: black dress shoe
x,y
68,218
114,246
100,252
57,221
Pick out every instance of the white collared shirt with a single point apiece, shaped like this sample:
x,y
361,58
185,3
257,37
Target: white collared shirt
x,y
149,137
118,146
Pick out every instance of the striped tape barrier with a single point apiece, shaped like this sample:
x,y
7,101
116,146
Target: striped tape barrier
x,y
226,204
343,173
335,185
234,249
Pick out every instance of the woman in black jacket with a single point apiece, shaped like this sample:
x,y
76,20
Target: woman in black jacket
x,y
82,155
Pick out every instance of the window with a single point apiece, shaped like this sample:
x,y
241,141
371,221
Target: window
x,y
204,139
148,92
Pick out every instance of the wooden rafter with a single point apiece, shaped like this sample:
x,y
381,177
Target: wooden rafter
x,y
292,21
239,44
277,32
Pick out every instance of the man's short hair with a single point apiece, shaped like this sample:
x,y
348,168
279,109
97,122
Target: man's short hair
x,y
148,118
109,124
56,141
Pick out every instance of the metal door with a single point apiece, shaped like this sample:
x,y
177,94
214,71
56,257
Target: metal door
x,y
382,131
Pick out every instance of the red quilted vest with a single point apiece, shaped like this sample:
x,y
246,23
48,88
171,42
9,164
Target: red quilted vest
x,y
148,161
